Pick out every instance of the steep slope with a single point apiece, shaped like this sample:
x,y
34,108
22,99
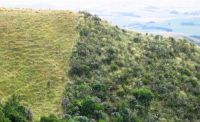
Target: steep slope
x,y
35,47
115,75
124,76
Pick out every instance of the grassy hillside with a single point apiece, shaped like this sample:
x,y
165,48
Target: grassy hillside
x,y
35,47
115,75
123,76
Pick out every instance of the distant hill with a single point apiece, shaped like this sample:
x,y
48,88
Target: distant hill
x,y
195,36
84,69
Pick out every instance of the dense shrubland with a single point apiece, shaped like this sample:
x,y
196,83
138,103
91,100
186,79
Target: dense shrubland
x,y
124,76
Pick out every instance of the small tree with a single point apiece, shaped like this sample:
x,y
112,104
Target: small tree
x,y
90,106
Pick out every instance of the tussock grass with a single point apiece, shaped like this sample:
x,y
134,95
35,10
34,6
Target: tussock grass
x,y
35,47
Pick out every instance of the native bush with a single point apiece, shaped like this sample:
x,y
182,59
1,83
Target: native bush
x,y
12,111
144,95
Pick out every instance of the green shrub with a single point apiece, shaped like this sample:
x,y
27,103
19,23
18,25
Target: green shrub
x,y
143,95
3,118
124,114
198,98
193,81
15,112
80,70
113,67
81,119
98,87
136,40
51,118
89,106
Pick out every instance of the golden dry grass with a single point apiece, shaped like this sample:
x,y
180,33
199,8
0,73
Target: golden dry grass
x,y
35,47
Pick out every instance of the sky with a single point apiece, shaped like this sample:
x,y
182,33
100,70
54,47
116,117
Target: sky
x,y
98,4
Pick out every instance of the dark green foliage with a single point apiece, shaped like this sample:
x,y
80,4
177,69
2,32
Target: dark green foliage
x,y
132,77
84,32
136,40
98,87
80,70
52,118
143,95
89,106
99,90
81,119
3,118
114,67
12,111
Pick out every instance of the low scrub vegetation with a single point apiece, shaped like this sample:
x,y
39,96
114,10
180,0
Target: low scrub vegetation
x,y
123,76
